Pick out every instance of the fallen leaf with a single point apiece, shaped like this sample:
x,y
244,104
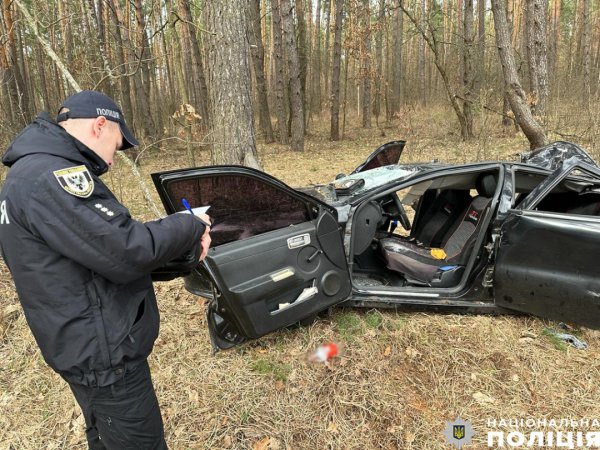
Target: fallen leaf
x,y
387,351
263,444
193,395
332,427
227,442
411,352
279,386
482,398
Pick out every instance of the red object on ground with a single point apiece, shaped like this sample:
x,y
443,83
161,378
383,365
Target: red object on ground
x,y
323,353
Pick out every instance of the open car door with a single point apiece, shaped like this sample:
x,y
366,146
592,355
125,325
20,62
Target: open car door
x,y
276,257
385,155
547,262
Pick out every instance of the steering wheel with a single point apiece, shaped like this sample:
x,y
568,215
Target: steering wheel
x,y
403,217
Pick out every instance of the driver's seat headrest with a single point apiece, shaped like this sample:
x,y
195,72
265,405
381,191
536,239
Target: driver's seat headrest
x,y
486,184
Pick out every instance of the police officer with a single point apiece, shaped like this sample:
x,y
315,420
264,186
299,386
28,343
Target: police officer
x,y
82,265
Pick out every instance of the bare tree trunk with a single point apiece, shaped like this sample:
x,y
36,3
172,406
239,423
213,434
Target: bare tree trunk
x,y
125,86
480,75
365,69
192,58
16,73
468,71
397,47
39,54
335,76
296,103
379,60
421,54
142,77
232,122
327,49
517,98
507,120
10,74
535,41
258,60
554,39
302,59
540,18
278,72
98,27
316,68
585,52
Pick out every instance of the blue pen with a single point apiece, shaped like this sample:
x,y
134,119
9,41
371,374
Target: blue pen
x,y
187,206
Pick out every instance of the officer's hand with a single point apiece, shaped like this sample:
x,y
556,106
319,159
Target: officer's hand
x,y
205,239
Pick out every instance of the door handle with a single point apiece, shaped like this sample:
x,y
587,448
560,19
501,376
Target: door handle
x,y
314,255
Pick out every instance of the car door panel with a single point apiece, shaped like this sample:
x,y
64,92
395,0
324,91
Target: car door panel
x,y
547,266
277,256
546,262
261,279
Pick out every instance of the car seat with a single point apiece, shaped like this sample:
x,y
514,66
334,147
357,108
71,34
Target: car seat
x,y
417,263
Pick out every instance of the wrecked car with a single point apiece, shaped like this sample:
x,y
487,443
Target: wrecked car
x,y
485,237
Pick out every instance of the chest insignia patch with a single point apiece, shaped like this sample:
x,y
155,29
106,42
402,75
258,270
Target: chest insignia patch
x,y
76,181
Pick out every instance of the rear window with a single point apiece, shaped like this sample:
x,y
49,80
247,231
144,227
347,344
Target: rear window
x,y
240,206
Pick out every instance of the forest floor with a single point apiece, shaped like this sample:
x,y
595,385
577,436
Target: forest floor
x,y
400,376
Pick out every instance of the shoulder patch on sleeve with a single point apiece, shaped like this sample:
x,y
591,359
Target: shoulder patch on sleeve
x,y
76,181
107,209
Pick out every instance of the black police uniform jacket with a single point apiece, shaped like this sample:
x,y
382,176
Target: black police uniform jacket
x,y
80,263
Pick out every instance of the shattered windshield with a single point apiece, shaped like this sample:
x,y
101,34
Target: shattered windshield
x,y
382,175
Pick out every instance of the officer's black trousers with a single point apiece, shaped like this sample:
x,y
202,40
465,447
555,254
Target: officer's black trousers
x,y
124,415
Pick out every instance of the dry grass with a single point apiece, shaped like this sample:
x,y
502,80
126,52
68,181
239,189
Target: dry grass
x,y
400,376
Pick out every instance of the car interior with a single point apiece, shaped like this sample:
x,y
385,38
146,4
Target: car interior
x,y
434,247
576,194
424,235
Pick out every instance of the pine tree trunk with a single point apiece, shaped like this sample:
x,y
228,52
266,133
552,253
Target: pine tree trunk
x,y
365,69
125,86
278,75
258,63
379,60
296,103
468,70
10,73
335,76
480,75
301,47
142,78
537,59
516,96
585,52
327,49
421,54
316,67
232,121
193,62
397,47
